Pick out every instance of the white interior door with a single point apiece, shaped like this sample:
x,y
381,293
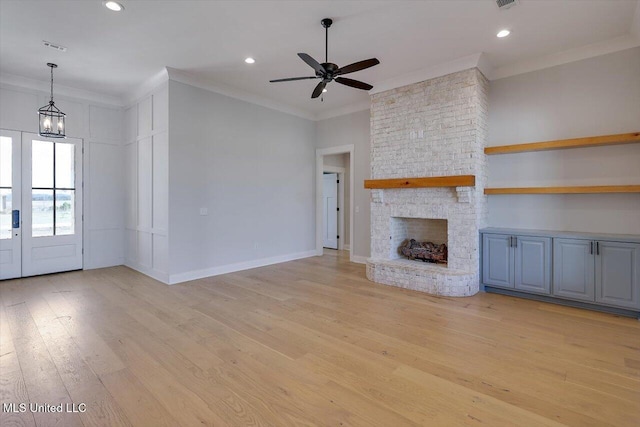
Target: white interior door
x,y
10,194
330,211
51,204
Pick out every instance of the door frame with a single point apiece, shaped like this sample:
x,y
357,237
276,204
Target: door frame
x,y
340,172
320,169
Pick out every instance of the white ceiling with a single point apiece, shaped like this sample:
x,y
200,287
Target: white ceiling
x,y
114,53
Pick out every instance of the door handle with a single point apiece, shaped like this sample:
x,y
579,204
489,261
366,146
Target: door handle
x,y
597,248
590,248
15,218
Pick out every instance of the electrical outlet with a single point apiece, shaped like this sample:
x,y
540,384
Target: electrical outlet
x,y
255,245
357,209
204,211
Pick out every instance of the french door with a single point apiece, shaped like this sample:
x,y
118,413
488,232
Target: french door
x,y
40,204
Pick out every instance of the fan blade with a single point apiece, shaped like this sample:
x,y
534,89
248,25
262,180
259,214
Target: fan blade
x,y
318,90
292,79
354,83
312,63
357,66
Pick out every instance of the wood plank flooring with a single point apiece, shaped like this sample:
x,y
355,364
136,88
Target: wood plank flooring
x,y
306,343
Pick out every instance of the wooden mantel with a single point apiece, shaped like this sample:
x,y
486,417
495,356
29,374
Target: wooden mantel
x,y
422,182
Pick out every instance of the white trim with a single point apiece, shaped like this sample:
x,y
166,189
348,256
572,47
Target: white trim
x,y
340,172
343,111
565,57
206,84
358,259
59,90
460,64
154,274
239,266
147,88
320,153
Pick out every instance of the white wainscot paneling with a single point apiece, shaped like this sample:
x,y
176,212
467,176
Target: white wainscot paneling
x,y
18,110
105,124
145,117
106,248
144,249
75,120
161,109
106,186
145,183
160,182
161,253
131,248
131,184
131,124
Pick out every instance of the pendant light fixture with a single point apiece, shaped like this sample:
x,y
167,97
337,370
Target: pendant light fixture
x,y
50,118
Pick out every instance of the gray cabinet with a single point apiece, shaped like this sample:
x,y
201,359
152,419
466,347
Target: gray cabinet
x,y
533,264
517,262
597,271
573,269
617,274
497,260
585,269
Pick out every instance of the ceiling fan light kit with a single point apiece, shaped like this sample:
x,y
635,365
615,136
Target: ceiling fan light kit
x,y
328,71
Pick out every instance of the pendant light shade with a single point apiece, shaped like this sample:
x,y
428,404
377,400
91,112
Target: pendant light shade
x,y
51,119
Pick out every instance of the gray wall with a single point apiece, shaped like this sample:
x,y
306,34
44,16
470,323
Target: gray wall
x,y
251,167
353,129
596,96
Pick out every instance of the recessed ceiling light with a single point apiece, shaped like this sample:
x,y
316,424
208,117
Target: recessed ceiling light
x,y
250,60
503,33
113,5
324,90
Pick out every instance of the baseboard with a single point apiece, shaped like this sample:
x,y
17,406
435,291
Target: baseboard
x,y
239,266
359,259
346,247
148,271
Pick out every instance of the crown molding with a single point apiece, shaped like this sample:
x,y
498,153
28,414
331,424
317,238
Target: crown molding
x,y
460,64
222,89
148,86
584,52
59,90
343,111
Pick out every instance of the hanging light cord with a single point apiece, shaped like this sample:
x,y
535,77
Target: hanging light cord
x,y
51,101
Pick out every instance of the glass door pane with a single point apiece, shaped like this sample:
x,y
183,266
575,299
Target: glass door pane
x,y
6,171
53,188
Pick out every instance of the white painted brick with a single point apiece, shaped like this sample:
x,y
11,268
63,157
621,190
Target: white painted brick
x,y
452,112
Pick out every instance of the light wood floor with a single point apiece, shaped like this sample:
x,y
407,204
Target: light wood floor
x,y
309,342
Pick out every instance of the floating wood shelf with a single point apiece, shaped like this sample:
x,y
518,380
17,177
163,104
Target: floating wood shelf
x,y
434,181
591,141
590,189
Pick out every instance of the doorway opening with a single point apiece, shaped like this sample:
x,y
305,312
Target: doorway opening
x,y
334,213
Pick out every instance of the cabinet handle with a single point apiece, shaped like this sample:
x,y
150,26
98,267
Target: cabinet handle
x,y
590,248
597,248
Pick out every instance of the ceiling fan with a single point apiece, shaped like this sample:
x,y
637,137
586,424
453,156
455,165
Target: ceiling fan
x,y
328,71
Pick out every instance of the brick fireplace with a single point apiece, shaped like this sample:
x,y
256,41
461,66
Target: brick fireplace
x,y
435,128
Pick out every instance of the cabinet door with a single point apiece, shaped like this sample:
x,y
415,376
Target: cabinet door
x,y
533,264
497,260
618,274
574,269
